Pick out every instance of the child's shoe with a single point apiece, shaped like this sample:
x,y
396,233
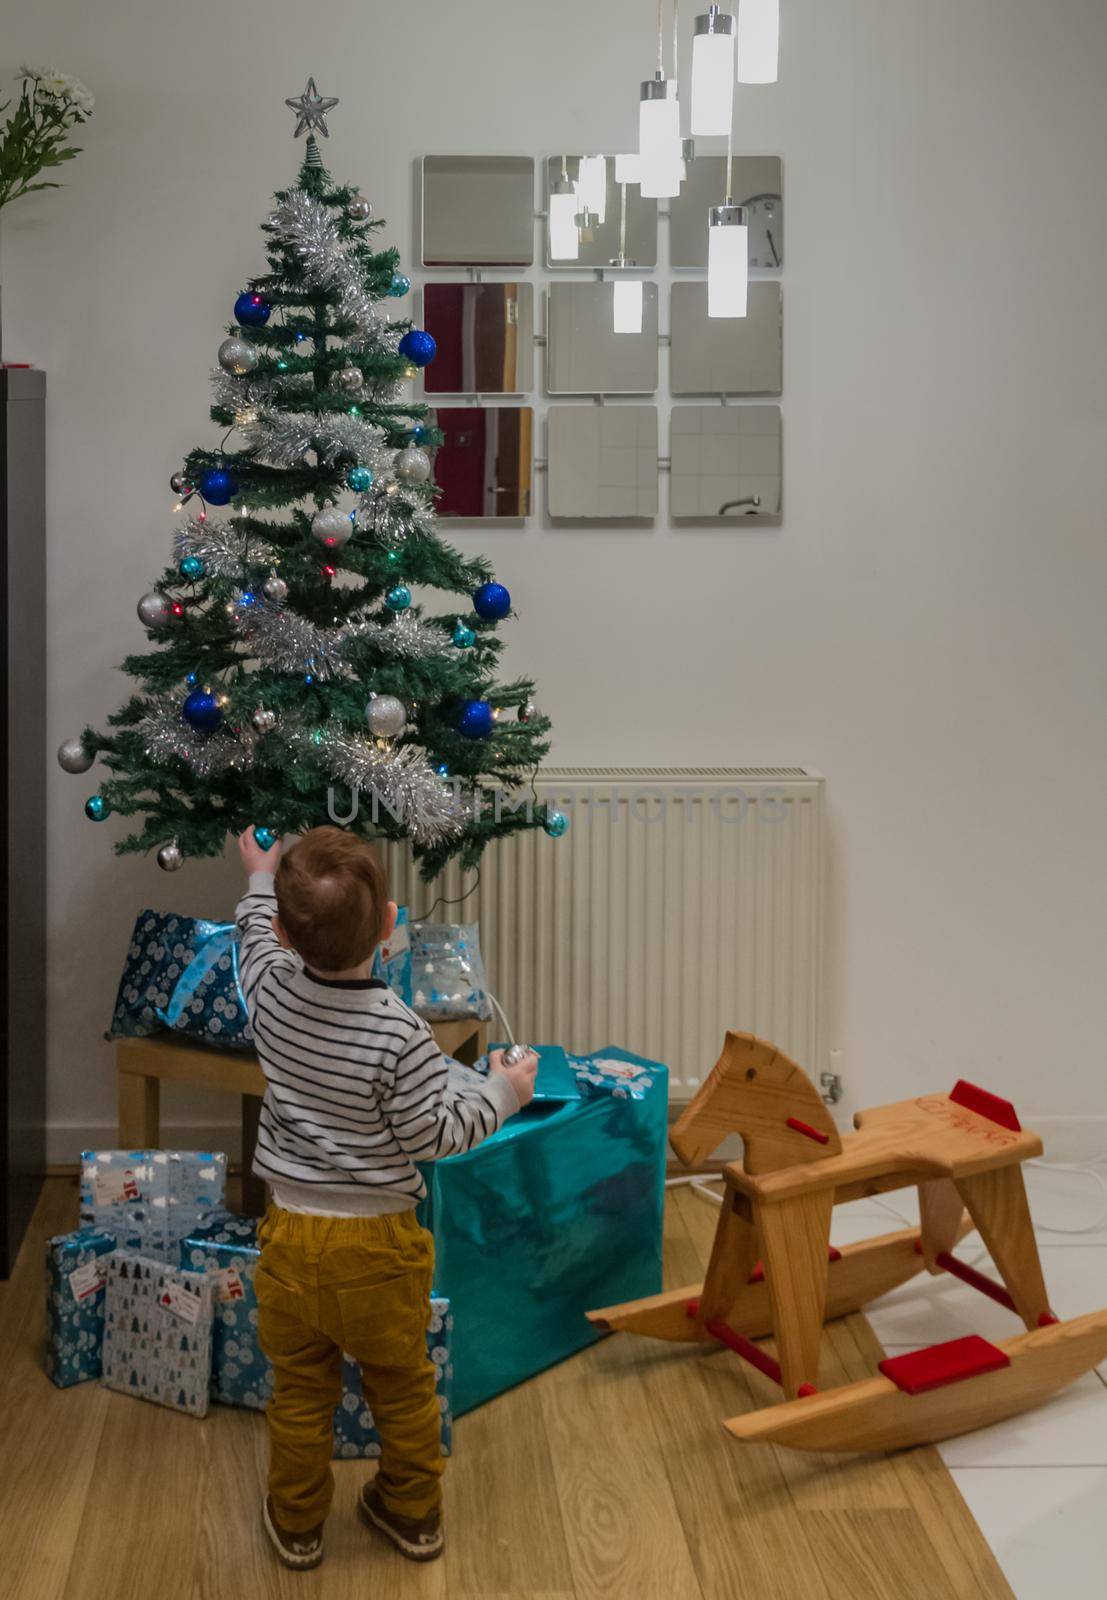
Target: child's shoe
x,y
297,1550
419,1539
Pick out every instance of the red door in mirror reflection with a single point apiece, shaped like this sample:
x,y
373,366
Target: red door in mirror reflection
x,y
483,469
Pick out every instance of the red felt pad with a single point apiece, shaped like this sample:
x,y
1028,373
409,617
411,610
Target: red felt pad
x,y
807,1130
940,1364
985,1104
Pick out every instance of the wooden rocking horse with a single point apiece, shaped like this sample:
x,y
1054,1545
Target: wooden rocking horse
x,y
773,1271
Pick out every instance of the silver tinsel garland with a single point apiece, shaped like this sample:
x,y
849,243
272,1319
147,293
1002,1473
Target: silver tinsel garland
x,y
393,513
225,551
283,438
168,737
400,778
311,232
243,395
286,642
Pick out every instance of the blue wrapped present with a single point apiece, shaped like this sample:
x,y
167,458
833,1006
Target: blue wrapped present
x,y
76,1270
355,1433
157,1332
225,1248
182,973
392,960
558,1212
151,1199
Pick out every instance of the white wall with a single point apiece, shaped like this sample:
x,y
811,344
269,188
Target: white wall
x,y
926,625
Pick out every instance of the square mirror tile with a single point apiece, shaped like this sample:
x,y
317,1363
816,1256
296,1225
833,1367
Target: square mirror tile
x,y
485,466
756,183
586,229
726,355
585,355
725,461
485,337
478,211
602,461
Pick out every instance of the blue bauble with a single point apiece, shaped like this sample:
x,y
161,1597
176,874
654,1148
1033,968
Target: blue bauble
x,y
219,485
265,838
399,286
491,601
475,719
464,637
252,310
398,597
97,808
418,346
202,711
359,479
419,433
556,824
192,568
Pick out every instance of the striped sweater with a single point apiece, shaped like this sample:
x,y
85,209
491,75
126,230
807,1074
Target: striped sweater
x,y
357,1091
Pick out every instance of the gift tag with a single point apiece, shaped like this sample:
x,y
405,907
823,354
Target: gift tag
x,y
181,1302
110,1187
87,1280
228,1285
398,942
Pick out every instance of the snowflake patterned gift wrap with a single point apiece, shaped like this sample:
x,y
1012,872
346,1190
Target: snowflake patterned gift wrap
x,y
151,1199
76,1269
225,1248
182,973
355,1433
157,1332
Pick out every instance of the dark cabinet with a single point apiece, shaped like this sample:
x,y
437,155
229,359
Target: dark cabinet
x,y
23,797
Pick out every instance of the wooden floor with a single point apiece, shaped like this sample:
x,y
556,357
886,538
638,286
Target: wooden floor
x,y
606,1477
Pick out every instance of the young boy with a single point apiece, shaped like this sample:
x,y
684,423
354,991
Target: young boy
x,y
357,1092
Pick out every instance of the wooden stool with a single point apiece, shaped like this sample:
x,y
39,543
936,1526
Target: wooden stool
x,y
142,1065
772,1269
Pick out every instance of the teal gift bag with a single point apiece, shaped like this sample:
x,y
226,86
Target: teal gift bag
x,y
559,1212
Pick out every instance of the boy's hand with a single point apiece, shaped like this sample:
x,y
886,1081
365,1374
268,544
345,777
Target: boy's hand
x,y
520,1075
254,858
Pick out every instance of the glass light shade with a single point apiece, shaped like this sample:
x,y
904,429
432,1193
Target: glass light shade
x,y
663,181
628,305
564,238
592,185
727,268
659,145
713,76
758,41
628,169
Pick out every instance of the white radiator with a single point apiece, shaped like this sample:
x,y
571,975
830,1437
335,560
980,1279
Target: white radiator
x,y
680,903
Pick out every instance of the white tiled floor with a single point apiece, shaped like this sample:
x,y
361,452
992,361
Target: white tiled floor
x,y
1037,1485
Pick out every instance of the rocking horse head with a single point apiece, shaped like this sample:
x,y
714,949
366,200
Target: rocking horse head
x,y
756,1091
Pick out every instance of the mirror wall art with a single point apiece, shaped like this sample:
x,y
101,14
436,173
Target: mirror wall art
x,y
485,337
484,468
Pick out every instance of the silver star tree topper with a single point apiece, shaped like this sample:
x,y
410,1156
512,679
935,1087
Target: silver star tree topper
x,y
311,110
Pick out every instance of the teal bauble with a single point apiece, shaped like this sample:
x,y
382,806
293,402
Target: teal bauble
x,y
359,479
192,568
97,808
556,824
464,637
265,838
398,597
399,286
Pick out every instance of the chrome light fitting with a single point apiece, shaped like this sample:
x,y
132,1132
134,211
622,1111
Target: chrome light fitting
x,y
659,146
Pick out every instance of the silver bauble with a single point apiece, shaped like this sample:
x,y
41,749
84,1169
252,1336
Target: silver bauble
x,y
386,716
153,610
275,589
180,483
359,209
72,757
170,857
413,465
350,380
265,720
527,711
237,356
332,527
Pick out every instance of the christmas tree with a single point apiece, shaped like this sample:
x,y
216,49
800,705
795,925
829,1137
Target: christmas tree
x,y
293,678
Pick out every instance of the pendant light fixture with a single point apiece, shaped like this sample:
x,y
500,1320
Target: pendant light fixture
x,y
713,72
592,186
758,49
727,256
659,146
564,236
626,293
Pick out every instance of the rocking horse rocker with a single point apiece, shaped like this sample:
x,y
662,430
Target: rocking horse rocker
x,y
773,1271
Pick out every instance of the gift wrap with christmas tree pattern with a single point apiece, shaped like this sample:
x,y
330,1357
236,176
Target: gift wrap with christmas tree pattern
x,y
355,1432
225,1248
181,973
151,1199
76,1270
157,1332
